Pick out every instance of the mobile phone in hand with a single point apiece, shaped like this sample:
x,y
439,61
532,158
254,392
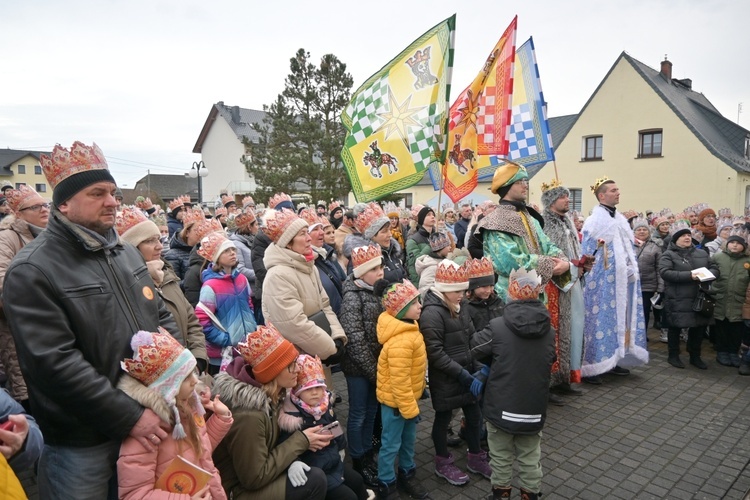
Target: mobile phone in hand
x,y
332,428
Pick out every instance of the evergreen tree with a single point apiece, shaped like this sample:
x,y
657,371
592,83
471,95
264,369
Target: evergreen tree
x,y
302,134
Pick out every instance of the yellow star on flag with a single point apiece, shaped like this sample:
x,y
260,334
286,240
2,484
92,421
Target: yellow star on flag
x,y
399,117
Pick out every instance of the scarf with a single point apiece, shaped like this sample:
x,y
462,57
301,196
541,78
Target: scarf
x,y
708,231
456,308
362,284
316,411
155,269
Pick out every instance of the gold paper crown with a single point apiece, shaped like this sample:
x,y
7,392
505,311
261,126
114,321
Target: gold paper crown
x,y
310,373
310,217
208,226
325,221
247,201
477,268
128,218
724,212
192,217
17,197
599,182
260,344
144,203
333,205
159,219
61,163
398,297
363,255
180,201
278,198
244,220
552,184
220,212
523,285
151,360
450,273
210,244
277,221
225,198
368,216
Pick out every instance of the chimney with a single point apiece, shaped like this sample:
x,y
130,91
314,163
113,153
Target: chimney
x,y
666,69
236,114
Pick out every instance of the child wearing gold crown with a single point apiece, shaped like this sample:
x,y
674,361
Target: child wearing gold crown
x,y
308,405
162,376
225,308
402,365
520,348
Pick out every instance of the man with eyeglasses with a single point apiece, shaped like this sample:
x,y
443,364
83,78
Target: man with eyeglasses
x,y
30,213
73,298
512,234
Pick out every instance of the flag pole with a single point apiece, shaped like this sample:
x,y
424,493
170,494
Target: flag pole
x,y
554,164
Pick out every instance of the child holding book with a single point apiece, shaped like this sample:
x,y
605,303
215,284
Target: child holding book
x,y
308,405
401,381
162,376
521,348
225,308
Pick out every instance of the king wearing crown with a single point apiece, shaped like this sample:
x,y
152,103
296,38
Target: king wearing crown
x,y
614,329
565,303
512,234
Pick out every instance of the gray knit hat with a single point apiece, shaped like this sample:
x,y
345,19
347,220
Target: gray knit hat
x,y
553,194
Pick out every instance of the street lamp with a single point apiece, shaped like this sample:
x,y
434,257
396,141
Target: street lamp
x,y
199,170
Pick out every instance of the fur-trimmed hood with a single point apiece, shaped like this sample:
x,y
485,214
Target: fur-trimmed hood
x,y
290,419
239,390
146,397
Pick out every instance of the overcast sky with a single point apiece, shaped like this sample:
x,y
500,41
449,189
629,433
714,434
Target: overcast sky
x,y
139,77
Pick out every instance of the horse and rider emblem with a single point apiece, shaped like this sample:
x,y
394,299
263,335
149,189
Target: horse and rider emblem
x,y
460,156
375,159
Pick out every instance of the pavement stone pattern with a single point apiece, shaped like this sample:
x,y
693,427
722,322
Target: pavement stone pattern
x,y
660,432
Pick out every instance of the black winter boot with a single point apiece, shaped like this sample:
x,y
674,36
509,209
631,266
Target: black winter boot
x,y
527,495
409,484
360,465
499,492
388,491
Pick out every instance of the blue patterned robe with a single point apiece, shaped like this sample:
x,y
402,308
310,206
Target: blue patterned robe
x,y
614,330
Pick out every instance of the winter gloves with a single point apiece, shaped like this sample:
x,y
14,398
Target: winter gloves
x,y
338,355
297,474
474,383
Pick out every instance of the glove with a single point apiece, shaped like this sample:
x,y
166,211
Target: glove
x,y
342,454
465,379
335,358
482,374
297,474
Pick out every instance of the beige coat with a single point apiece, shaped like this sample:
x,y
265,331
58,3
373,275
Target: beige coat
x,y
14,235
292,291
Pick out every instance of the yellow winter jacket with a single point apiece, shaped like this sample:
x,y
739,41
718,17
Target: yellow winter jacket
x,y
401,366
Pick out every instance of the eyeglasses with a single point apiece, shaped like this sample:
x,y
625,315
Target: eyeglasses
x,y
293,368
36,208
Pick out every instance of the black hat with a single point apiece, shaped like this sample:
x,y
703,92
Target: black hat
x,y
679,233
739,239
423,213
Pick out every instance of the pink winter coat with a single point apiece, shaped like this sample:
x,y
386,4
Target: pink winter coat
x,y
138,469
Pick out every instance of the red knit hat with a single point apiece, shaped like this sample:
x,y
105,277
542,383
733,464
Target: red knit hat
x,y
267,353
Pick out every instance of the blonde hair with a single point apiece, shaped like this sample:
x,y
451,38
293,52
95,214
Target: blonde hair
x,y
191,428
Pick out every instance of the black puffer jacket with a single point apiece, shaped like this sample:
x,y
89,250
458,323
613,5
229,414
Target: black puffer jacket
x,y
192,282
260,243
360,310
483,311
448,352
521,348
178,255
680,290
393,267
73,306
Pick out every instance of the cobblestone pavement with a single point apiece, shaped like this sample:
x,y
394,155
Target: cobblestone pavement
x,y
658,433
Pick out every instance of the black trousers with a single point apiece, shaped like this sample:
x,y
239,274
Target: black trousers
x,y
473,416
728,335
352,489
313,489
647,306
695,338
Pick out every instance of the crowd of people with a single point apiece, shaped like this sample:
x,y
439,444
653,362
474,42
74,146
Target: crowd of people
x,y
134,339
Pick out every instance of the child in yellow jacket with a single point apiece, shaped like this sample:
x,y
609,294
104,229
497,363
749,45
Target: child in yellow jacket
x,y
401,381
